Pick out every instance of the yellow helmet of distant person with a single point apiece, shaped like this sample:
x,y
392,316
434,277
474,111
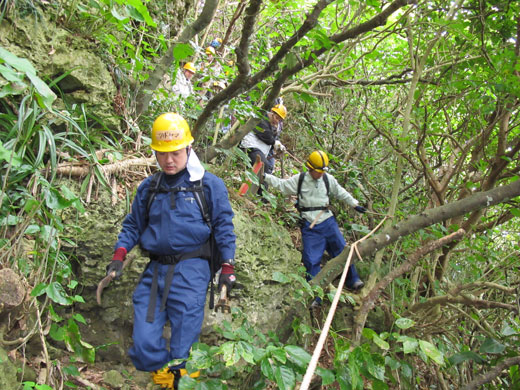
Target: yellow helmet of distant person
x,y
318,161
189,66
210,50
170,132
280,110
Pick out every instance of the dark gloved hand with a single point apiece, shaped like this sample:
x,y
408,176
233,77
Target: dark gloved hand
x,y
360,209
117,262
227,277
117,266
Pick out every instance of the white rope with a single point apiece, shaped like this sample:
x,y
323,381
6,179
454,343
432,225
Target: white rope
x,y
325,331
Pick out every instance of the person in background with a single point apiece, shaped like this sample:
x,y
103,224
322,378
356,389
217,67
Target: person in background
x,y
319,228
171,228
183,86
278,148
259,141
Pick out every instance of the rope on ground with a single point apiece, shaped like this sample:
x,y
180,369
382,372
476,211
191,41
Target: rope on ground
x,y
325,331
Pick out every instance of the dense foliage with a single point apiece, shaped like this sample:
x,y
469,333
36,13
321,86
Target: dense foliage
x,y
417,104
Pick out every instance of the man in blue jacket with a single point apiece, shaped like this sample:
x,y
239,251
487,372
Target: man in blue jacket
x,y
319,228
170,226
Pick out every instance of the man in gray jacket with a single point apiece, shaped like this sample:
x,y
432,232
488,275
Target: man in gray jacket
x,y
319,228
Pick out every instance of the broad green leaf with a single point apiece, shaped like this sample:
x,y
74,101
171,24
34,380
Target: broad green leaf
x,y
182,51
465,356
368,333
515,212
280,277
9,156
245,352
404,323
141,8
78,317
432,352
381,343
228,351
291,60
327,376
57,294
38,290
279,355
32,229
392,363
21,64
298,355
267,369
507,330
379,385
491,346
409,343
11,75
43,90
284,377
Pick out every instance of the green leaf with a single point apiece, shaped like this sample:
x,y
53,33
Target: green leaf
x,y
409,343
267,369
278,354
21,64
280,277
43,91
182,51
57,294
298,355
379,385
327,376
284,377
381,343
515,212
465,356
432,352
228,351
291,60
491,346
9,156
306,97
245,352
404,323
38,290
141,8
79,318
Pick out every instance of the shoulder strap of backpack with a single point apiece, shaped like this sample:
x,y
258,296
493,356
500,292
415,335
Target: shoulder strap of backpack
x,y
300,182
200,197
153,188
327,185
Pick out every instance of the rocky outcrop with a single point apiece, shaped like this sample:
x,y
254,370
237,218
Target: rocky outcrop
x,y
60,56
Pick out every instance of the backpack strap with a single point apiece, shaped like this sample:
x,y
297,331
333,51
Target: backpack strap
x,y
153,189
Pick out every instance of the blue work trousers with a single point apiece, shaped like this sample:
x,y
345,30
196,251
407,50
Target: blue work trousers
x,y
324,236
184,309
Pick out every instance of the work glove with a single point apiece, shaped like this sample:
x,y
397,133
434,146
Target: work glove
x,y
279,147
227,277
360,209
117,262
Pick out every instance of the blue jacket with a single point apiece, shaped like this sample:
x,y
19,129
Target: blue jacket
x,y
181,229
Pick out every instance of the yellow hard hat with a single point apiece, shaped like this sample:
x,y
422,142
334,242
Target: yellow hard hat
x,y
170,132
189,66
210,50
280,110
221,84
318,161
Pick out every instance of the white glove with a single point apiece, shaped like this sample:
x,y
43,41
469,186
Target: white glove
x,y
278,146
